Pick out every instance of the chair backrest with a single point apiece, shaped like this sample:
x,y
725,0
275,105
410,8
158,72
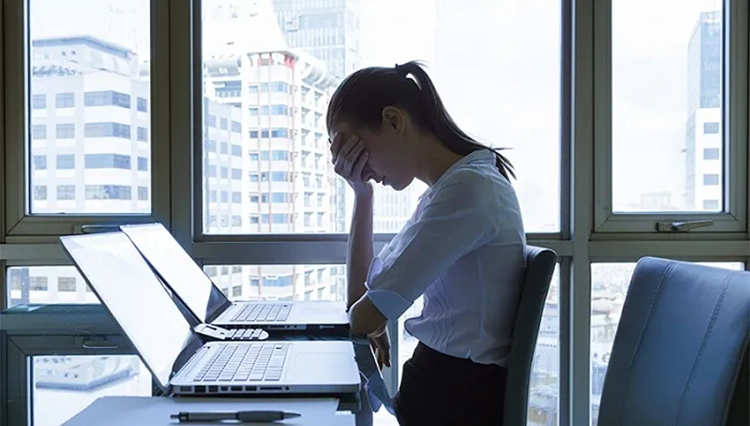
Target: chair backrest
x,y
540,265
678,347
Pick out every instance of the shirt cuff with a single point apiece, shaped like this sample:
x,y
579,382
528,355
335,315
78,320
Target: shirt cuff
x,y
391,304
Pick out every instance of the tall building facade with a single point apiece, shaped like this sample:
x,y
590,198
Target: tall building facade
x,y
704,135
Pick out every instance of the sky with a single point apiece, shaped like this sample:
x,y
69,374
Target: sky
x,y
496,65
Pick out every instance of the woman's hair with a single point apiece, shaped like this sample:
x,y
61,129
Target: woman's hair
x,y
362,96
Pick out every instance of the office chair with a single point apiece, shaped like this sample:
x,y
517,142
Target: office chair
x,y
679,346
540,265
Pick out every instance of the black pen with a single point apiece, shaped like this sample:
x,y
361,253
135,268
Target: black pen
x,y
242,416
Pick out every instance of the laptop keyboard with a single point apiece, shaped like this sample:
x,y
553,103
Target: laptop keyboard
x,y
263,312
254,361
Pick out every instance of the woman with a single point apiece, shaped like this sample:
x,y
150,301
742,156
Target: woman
x,y
463,249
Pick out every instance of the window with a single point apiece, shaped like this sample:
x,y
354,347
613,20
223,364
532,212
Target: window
x,y
40,193
142,134
280,197
280,176
106,98
142,193
710,128
66,284
236,127
237,174
142,105
107,161
108,192
609,286
40,162
65,131
103,130
711,179
65,162
666,80
711,205
66,192
711,153
38,131
39,101
236,150
236,197
64,100
142,164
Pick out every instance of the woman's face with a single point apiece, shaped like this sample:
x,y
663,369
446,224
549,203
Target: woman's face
x,y
388,148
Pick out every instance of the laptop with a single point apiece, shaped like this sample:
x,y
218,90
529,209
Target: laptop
x,y
180,361
209,305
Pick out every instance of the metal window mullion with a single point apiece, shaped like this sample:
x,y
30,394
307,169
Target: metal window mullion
x,y
584,131
16,368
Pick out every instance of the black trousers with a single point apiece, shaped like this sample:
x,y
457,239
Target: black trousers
x,y
438,389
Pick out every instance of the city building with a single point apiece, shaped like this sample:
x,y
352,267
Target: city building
x,y
704,140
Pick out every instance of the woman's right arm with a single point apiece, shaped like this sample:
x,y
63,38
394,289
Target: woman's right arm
x,y
360,250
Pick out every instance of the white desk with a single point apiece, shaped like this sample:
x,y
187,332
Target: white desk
x,y
156,411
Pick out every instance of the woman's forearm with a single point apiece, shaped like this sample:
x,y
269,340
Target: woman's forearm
x,y
360,252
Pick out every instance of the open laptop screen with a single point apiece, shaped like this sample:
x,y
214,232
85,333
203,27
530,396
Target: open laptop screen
x,y
178,270
135,297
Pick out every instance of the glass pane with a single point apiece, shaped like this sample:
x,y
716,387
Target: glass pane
x,y
667,106
544,381
47,284
266,165
89,141
66,385
280,282
609,286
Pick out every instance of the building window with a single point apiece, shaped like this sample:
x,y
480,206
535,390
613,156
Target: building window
x,y
236,150
710,204
223,124
710,128
107,161
224,196
38,131
66,192
237,291
280,176
236,220
211,120
210,145
38,284
65,131
253,134
65,100
236,173
142,164
39,102
143,193
65,161
142,134
223,148
223,172
106,98
236,127
236,197
252,177
711,153
40,193
710,179
279,110
279,133
108,192
211,171
104,130
66,284
142,104
280,197
40,162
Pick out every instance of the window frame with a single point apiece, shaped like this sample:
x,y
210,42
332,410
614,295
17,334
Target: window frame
x,y
19,224
733,218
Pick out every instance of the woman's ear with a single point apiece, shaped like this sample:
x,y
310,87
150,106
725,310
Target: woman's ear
x,y
393,119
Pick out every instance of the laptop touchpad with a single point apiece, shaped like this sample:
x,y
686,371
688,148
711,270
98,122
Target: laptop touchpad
x,y
321,367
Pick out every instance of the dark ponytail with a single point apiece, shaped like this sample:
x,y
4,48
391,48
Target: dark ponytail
x,y
364,94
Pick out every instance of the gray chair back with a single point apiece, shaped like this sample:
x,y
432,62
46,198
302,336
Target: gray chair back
x,y
678,347
540,265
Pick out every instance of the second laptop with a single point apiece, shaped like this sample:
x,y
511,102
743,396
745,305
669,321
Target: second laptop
x,y
209,305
